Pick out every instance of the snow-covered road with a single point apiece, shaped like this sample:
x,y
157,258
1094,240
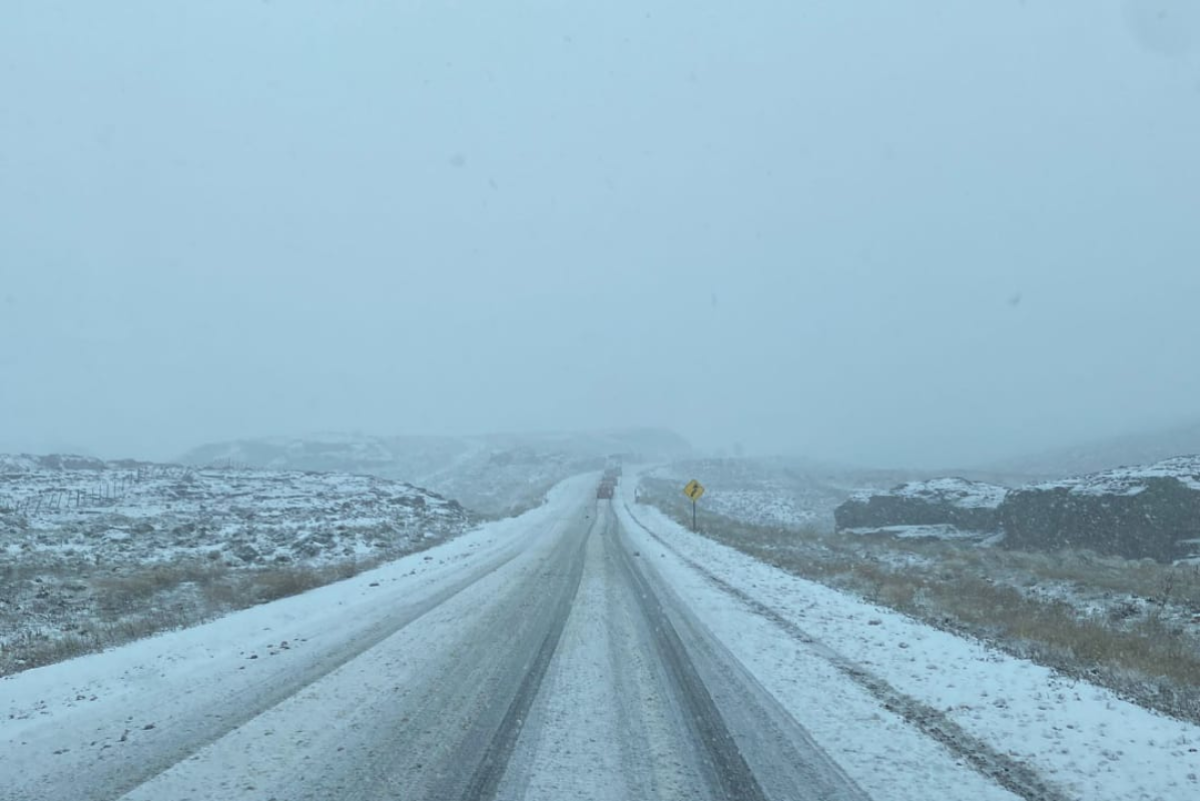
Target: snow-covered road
x,y
586,650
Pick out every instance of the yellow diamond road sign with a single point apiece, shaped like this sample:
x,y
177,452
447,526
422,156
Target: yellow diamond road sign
x,y
693,490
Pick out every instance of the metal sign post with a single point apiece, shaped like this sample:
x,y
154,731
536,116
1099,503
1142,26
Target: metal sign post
x,y
694,490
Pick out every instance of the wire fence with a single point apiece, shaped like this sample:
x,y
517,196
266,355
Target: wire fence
x,y
107,491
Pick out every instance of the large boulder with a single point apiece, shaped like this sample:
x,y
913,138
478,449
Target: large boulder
x,y
1152,511
968,506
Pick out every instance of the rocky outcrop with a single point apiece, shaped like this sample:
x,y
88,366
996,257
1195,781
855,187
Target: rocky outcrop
x,y
1146,512
1151,511
961,504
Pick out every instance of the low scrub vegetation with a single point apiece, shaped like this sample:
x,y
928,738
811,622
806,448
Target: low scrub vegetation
x,y
68,610
1133,626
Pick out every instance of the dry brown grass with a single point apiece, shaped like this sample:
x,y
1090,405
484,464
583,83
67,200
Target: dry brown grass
x,y
39,648
120,594
165,596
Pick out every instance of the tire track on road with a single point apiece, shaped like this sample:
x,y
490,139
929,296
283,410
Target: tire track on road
x,y
729,772
493,762
451,734
415,717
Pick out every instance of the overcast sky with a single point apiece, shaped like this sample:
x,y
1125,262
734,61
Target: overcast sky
x,y
934,233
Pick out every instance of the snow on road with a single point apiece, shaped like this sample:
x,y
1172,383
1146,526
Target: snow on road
x,y
1082,738
603,713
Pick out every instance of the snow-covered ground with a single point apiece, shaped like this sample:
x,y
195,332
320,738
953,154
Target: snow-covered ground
x,y
495,475
246,706
759,492
158,512
88,547
766,506
932,532
103,716
1131,480
959,492
1080,737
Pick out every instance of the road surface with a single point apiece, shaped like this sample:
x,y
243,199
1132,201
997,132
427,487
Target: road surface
x,y
555,665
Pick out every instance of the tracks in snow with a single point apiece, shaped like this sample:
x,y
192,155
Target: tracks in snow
x,y
1009,773
564,666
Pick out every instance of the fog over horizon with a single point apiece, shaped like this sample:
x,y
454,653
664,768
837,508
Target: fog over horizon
x,y
877,233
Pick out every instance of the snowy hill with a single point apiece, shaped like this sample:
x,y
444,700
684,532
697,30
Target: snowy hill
x,y
1130,480
494,474
131,548
770,492
155,512
940,507
1148,511
335,452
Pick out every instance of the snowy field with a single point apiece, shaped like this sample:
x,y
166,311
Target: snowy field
x,y
494,475
94,552
154,513
759,492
